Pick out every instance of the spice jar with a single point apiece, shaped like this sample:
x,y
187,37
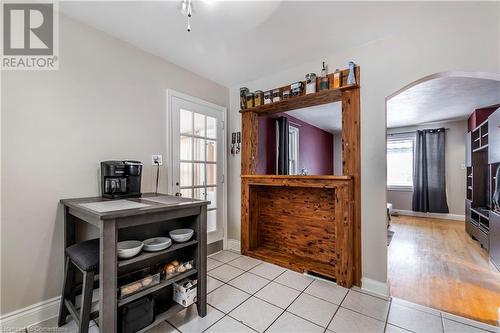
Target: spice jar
x,y
296,89
276,95
310,83
259,97
243,99
286,93
336,79
268,97
250,100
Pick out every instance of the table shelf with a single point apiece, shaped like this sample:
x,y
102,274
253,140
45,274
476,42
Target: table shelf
x,y
161,285
163,316
151,255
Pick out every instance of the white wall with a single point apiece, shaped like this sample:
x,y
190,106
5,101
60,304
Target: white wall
x,y
468,43
107,101
454,164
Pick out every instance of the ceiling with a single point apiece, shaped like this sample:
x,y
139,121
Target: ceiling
x,y
328,117
239,41
440,99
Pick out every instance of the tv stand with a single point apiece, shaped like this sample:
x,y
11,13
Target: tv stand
x,y
480,175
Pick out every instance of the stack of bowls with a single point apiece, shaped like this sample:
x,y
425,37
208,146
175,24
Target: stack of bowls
x,y
181,235
129,249
157,244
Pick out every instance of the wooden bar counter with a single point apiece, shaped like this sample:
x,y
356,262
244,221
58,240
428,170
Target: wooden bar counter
x,y
304,223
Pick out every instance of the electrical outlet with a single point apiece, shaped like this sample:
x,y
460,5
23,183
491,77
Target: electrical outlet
x,y
156,159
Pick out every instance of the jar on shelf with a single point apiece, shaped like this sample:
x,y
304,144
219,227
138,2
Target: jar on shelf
x,y
243,97
276,95
337,79
310,83
268,97
250,103
259,97
286,93
324,83
296,89
351,77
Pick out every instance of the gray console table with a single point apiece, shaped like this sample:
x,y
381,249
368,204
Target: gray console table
x,y
162,214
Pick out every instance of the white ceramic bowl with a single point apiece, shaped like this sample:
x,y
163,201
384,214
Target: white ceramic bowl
x,y
128,249
181,235
156,244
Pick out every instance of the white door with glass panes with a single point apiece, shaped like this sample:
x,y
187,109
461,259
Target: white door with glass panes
x,y
197,158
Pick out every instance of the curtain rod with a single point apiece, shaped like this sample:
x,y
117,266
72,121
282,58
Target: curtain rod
x,y
411,132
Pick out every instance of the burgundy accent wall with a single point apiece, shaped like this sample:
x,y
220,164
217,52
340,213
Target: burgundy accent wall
x,y
315,146
480,115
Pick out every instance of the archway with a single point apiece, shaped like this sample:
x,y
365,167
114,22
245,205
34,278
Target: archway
x,y
432,260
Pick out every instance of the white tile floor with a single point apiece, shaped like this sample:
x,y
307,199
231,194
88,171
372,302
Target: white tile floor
x,y
247,295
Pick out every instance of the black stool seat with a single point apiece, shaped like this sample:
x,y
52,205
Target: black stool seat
x,y
85,255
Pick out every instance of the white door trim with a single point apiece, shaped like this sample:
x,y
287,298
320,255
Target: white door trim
x,y
169,139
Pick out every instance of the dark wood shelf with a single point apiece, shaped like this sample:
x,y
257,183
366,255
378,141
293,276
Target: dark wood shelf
x,y
163,316
480,148
483,212
303,101
149,255
161,285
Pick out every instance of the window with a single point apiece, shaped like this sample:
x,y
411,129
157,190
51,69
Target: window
x,y
293,150
400,155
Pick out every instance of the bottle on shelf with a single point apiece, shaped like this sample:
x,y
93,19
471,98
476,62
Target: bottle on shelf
x,y
324,82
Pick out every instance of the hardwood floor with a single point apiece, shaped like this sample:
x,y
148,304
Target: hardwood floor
x,y
433,262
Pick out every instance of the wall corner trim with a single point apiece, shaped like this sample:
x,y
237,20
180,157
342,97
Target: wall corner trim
x,y
31,315
233,245
374,286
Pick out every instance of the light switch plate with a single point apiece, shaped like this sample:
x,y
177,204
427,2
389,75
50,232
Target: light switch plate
x,y
156,158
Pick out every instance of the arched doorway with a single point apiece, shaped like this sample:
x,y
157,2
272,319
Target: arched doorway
x,y
432,260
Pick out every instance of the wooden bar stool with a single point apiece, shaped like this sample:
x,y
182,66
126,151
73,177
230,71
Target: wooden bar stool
x,y
85,257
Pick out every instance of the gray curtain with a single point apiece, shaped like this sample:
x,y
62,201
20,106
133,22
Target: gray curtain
x,y
282,148
429,184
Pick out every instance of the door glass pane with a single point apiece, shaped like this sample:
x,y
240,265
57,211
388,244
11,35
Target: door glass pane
x,y
186,119
186,174
199,193
199,149
211,127
199,174
211,151
212,196
185,149
199,124
211,220
211,174
187,193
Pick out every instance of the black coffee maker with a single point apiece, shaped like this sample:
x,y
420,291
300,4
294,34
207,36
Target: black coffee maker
x,y
121,179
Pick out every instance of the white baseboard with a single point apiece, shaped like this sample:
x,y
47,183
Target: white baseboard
x,y
375,286
30,315
234,245
453,217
